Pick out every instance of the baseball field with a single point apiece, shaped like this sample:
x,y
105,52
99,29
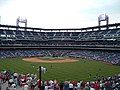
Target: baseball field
x,y
62,68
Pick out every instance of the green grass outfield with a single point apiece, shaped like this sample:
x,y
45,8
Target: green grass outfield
x,y
80,70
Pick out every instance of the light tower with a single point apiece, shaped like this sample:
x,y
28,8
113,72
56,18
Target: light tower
x,y
103,17
0,19
21,20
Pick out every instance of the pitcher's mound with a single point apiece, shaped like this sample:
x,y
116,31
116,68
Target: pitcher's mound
x,y
37,59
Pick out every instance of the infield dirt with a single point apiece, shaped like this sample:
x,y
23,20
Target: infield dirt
x,y
37,59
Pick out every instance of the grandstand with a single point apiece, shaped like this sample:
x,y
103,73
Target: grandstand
x,y
16,41
89,38
101,43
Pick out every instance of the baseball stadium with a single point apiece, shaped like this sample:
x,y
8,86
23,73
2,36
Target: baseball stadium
x,y
81,58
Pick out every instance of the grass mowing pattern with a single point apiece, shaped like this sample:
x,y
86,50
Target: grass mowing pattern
x,y
61,71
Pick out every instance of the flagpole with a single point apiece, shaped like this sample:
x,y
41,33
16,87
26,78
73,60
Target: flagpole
x,y
40,77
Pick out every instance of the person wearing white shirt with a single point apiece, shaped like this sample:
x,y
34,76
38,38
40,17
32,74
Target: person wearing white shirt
x,y
70,86
92,88
78,85
25,87
46,87
13,87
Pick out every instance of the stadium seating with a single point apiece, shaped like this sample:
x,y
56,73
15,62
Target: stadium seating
x,y
112,34
86,39
106,56
104,35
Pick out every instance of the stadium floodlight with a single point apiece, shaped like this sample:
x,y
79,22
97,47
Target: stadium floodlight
x,y
0,19
103,17
21,20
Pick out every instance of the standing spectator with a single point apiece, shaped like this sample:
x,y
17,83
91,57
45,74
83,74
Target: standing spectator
x,y
70,86
82,86
13,87
46,87
25,87
61,85
57,87
78,85
97,86
66,85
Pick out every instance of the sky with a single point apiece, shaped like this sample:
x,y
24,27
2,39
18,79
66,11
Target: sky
x,y
59,13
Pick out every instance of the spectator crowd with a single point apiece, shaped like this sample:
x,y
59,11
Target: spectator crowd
x,y
15,81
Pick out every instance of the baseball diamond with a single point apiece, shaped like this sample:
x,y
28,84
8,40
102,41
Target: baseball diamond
x,y
76,59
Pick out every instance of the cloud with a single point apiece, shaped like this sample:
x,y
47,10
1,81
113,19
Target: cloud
x,y
57,13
